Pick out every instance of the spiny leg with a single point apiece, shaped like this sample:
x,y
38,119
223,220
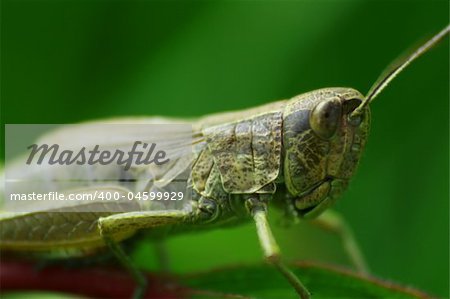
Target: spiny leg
x,y
126,261
269,246
114,226
333,222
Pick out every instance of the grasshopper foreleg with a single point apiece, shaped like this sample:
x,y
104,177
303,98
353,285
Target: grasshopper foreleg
x,y
258,210
333,222
113,226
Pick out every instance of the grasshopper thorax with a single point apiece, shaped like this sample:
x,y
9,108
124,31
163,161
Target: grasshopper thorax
x,y
322,144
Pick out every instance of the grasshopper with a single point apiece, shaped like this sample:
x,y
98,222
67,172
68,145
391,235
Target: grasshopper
x,y
297,154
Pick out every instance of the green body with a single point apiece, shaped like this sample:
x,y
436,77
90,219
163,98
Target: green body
x,y
297,154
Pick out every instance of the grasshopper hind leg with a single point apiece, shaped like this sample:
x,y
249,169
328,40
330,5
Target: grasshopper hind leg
x,y
112,227
258,210
126,261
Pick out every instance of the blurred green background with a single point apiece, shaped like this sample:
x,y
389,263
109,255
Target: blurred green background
x,y
69,61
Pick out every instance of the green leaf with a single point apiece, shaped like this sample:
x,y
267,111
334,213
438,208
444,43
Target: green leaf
x,y
251,281
261,281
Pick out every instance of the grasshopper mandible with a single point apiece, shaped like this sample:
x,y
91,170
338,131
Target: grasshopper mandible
x,y
297,154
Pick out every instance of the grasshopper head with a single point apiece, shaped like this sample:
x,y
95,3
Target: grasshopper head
x,y
325,132
322,143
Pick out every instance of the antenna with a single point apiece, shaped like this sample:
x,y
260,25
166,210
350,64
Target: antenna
x,y
395,68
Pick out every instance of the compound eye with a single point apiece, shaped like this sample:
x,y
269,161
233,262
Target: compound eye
x,y
325,118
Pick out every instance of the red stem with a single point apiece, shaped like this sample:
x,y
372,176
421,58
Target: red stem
x,y
105,282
